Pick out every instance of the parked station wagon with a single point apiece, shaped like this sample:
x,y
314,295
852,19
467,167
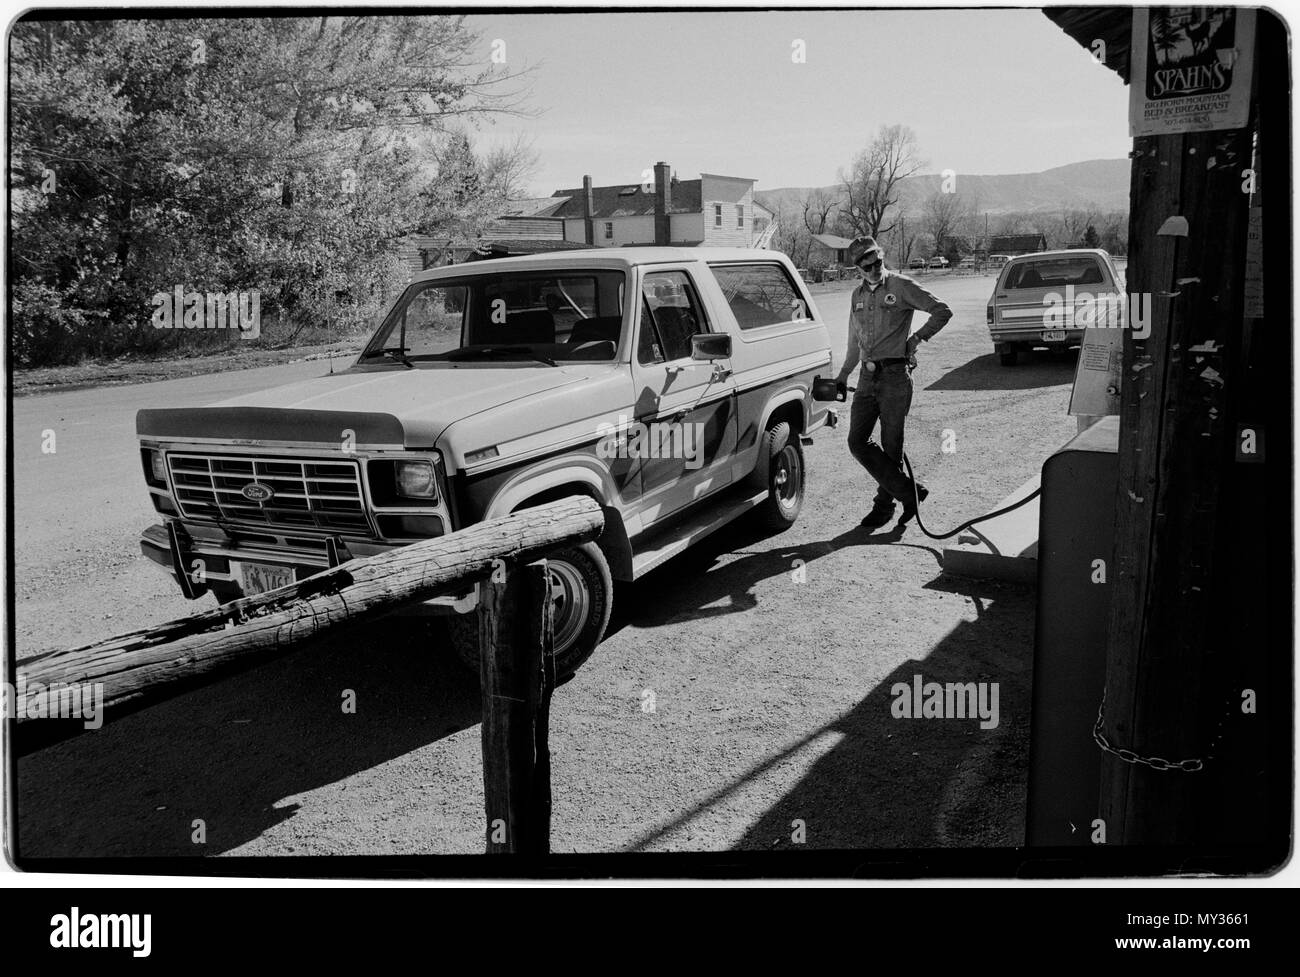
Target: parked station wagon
x,y
673,386
1034,301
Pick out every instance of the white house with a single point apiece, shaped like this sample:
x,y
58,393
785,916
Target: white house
x,y
713,211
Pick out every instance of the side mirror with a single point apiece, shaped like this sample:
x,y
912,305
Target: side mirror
x,y
710,346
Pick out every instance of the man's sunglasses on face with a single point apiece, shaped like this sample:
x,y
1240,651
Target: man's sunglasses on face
x,y
871,265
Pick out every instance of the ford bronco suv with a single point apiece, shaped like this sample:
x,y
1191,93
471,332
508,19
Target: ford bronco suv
x,y
673,386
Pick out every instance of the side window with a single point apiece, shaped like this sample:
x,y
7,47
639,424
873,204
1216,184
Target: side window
x,y
760,294
670,316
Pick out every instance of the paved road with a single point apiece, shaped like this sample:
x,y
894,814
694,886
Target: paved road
x,y
769,661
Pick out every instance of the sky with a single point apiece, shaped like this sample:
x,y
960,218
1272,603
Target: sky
x,y
986,91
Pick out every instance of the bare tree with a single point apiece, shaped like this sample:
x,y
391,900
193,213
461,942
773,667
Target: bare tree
x,y
1074,224
1013,223
903,238
818,206
792,234
1114,232
944,214
871,184
1050,226
507,167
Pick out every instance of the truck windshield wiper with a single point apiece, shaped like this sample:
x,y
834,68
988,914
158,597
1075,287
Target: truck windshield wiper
x,y
491,352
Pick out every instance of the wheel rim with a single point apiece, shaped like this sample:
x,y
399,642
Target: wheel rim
x,y
786,480
570,603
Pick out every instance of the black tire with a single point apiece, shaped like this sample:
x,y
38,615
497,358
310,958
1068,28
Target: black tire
x,y
583,592
1009,355
785,478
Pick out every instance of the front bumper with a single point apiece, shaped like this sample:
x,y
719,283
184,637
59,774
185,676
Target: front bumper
x,y
164,543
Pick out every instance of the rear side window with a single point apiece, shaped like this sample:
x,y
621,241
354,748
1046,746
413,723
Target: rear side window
x,y
1055,273
760,294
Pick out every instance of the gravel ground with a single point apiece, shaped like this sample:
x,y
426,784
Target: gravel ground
x,y
769,662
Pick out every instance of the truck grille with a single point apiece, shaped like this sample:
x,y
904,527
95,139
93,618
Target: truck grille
x,y
307,493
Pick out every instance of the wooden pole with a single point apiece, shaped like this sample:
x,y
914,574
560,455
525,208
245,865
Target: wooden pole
x,y
146,666
517,672
1176,431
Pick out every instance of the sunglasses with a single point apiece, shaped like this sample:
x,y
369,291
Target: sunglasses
x,y
871,265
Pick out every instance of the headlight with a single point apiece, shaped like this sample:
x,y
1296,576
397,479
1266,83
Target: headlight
x,y
155,467
415,480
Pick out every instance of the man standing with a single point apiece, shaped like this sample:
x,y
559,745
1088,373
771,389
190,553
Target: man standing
x,y
880,320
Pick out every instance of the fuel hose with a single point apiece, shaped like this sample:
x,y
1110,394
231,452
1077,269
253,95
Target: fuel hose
x,y
916,502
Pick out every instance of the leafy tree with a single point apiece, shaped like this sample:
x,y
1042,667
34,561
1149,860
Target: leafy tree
x,y
287,155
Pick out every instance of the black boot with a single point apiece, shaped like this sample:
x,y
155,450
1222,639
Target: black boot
x,y
880,514
909,505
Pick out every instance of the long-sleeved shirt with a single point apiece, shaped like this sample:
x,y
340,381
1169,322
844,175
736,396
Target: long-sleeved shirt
x,y
880,319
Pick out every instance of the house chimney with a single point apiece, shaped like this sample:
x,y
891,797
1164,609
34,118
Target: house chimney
x,y
588,211
663,204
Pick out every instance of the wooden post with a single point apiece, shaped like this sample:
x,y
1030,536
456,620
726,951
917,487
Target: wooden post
x,y
1176,438
143,667
517,671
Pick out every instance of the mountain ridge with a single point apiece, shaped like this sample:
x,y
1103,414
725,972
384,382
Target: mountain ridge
x,y
1099,183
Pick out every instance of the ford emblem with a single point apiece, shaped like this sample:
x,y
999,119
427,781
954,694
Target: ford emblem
x,y
257,492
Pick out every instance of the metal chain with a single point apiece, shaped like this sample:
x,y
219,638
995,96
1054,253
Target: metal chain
x,y
1192,765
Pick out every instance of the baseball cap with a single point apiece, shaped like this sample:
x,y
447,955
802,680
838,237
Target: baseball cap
x,y
863,247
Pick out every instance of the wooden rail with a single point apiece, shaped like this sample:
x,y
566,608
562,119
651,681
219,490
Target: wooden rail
x,y
147,666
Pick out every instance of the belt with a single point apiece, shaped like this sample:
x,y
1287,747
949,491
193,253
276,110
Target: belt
x,y
873,365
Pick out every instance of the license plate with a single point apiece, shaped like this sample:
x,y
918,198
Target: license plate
x,y
258,578
1054,336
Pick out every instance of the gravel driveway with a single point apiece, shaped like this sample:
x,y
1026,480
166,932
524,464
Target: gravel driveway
x,y
769,662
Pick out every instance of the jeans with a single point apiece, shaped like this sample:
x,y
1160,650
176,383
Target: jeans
x,y
883,395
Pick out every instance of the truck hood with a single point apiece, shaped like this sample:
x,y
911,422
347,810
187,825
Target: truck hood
x,y
389,407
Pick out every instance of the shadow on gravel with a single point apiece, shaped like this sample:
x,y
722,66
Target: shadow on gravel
x,y
230,752
659,598
1036,369
891,783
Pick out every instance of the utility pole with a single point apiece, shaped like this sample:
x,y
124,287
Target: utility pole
x,y
1167,692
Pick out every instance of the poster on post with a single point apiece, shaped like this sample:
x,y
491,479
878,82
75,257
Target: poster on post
x,y
1191,69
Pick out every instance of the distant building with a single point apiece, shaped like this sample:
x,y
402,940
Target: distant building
x,y
1013,244
506,236
713,211
828,249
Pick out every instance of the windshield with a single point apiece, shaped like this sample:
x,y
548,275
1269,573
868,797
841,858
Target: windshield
x,y
1055,272
548,317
